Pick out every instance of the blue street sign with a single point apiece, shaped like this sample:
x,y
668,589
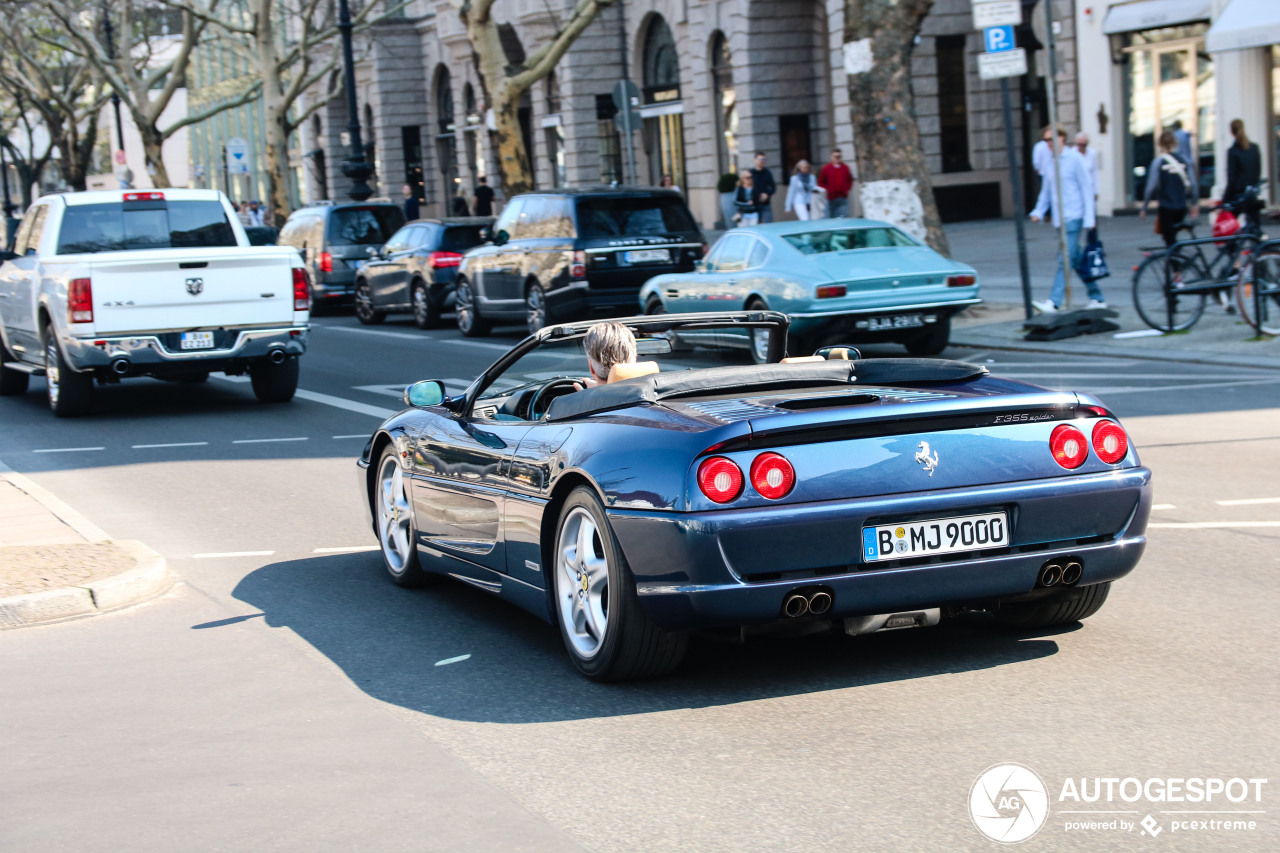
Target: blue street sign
x,y
998,39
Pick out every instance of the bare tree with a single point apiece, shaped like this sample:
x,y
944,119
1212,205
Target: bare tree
x,y
894,178
146,69
18,137
505,83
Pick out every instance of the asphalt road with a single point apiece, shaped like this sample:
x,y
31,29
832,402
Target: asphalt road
x,y
287,696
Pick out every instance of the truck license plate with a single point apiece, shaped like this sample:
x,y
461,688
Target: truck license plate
x,y
196,340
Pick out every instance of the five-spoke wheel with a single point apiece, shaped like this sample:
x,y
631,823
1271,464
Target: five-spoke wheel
x,y
395,522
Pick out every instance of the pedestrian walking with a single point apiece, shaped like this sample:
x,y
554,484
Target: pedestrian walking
x,y
1244,164
1090,161
744,200
242,213
1077,209
1186,149
460,204
1169,180
484,198
412,207
765,187
255,213
836,178
1041,155
669,183
800,190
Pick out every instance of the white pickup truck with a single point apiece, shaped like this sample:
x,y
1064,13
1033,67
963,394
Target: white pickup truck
x,y
163,283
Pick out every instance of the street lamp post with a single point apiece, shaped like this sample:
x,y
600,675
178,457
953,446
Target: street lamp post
x,y
108,36
355,166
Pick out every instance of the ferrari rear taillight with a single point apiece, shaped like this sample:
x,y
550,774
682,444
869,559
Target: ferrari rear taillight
x,y
80,300
1110,442
578,269
301,290
439,260
1068,446
772,476
326,262
720,479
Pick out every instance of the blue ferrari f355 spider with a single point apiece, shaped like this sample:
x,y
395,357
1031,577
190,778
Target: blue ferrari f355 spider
x,y
824,492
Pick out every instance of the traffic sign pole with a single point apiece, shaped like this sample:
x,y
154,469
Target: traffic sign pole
x,y
1019,208
1054,146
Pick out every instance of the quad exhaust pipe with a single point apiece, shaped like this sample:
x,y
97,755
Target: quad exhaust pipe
x,y
799,602
1064,572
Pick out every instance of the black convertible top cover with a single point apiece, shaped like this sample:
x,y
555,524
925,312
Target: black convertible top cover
x,y
758,379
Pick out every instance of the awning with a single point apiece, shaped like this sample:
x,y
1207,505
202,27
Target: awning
x,y
1243,24
1153,14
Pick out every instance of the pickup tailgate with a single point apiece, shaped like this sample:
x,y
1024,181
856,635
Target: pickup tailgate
x,y
205,288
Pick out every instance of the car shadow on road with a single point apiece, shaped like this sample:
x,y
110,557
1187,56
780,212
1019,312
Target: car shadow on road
x,y
391,642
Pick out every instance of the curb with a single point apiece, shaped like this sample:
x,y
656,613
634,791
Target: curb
x,y
977,340
149,579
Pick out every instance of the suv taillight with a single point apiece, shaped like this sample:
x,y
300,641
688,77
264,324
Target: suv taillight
x,y
326,262
440,260
578,269
1068,446
80,300
301,290
720,479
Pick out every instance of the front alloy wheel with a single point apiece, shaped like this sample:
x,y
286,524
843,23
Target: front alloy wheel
x,y
395,522
535,308
470,323
365,312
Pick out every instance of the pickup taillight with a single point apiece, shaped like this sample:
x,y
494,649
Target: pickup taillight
x,y
326,262
301,290
80,301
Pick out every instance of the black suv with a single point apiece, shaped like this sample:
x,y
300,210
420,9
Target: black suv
x,y
569,254
335,239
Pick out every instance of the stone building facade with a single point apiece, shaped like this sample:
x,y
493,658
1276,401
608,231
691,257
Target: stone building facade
x,y
719,80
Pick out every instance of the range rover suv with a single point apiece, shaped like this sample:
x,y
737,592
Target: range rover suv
x,y
571,254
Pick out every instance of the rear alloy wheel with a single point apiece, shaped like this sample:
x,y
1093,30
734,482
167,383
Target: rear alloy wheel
x,y
12,382
1060,608
535,308
396,536
933,341
470,323
426,311
759,337
365,312
274,383
70,393
607,635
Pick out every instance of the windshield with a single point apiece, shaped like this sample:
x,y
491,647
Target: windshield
x,y
364,226
648,216
843,240
117,226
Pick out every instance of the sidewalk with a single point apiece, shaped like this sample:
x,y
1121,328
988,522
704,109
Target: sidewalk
x,y
55,564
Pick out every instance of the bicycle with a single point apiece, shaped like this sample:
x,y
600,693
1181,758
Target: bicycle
x,y
1258,289
1170,285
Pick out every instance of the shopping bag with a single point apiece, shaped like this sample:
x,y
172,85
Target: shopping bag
x,y
1093,261
1224,225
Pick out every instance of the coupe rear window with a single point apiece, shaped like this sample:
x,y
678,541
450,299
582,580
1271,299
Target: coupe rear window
x,y
116,227
655,216
821,242
364,226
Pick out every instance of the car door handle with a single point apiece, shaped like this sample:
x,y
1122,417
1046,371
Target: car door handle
x,y
673,293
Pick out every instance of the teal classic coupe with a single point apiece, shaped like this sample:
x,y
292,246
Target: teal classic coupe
x,y
839,280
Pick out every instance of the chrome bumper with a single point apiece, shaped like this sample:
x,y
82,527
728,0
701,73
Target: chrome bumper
x,y
142,350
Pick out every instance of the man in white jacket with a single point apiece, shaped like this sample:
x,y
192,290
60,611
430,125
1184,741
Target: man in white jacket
x,y
1079,212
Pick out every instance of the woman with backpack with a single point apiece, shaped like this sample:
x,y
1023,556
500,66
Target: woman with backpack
x,y
1169,180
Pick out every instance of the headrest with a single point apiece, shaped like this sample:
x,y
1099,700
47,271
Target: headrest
x,y
630,371
802,359
838,354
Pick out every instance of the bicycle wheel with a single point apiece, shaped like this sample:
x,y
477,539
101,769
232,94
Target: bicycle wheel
x,y
1262,273
1149,295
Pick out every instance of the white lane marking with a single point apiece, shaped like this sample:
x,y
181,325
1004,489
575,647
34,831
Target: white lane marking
x,y
266,440
1167,506
232,554
357,435
1100,391
1061,374
345,549
342,403
1249,502
420,337
77,522
1207,525
67,449
447,661
173,444
1101,364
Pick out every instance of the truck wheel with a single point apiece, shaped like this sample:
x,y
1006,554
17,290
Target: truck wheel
x,y
69,392
274,383
1062,608
12,382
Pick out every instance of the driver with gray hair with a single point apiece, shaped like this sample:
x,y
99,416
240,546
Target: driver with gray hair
x,y
608,344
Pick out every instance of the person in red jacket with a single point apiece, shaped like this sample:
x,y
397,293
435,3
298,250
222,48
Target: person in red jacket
x,y
837,180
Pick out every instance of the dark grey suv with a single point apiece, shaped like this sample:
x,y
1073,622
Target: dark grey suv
x,y
335,240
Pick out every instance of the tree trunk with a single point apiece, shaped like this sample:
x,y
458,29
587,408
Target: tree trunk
x,y
83,155
277,114
153,149
893,176
513,159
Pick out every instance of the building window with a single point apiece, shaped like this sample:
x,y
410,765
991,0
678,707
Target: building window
x,y
726,105
319,166
663,132
555,155
953,106
411,142
610,144
446,137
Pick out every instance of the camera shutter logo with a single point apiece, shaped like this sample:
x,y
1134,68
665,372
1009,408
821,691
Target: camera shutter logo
x,y
1008,803
195,286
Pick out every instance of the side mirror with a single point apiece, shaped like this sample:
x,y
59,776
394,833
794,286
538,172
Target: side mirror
x,y
501,237
428,392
